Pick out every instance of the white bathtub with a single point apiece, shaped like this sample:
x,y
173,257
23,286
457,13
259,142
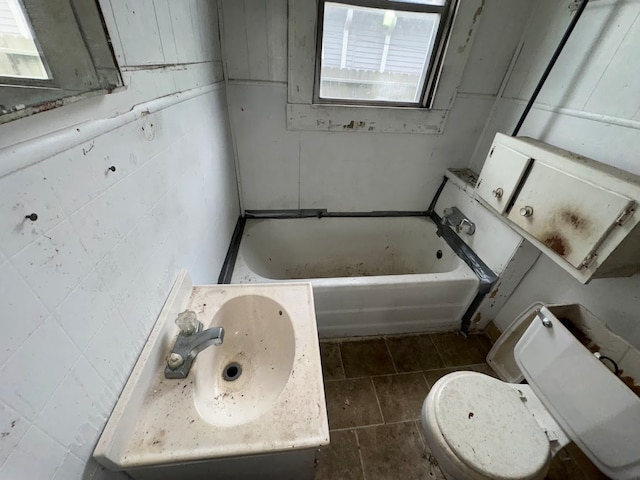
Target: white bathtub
x,y
370,275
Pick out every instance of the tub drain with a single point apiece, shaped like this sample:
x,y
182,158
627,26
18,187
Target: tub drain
x,y
232,371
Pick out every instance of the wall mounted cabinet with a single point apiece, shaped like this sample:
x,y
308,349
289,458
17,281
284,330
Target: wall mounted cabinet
x,y
579,212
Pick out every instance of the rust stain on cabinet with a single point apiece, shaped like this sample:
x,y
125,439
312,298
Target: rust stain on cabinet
x,y
574,220
557,243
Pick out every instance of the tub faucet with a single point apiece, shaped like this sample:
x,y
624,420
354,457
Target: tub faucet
x,y
457,220
191,340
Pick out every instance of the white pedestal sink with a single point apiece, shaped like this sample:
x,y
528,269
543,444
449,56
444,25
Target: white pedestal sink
x,y
252,407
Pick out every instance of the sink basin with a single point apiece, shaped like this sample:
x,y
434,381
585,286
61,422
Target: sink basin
x,y
238,381
252,407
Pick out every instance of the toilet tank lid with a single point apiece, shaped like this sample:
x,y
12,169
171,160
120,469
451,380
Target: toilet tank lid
x,y
592,405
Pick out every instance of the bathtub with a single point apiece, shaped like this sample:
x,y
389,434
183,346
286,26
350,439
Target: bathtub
x,y
370,275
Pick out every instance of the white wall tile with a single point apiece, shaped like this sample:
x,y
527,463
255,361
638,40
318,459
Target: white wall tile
x,y
98,472
618,89
493,45
81,174
125,259
176,160
85,310
268,152
13,426
34,372
77,405
277,39
235,39
165,29
36,456
112,353
54,264
255,16
588,54
188,45
205,20
359,172
109,217
72,468
23,193
22,311
138,31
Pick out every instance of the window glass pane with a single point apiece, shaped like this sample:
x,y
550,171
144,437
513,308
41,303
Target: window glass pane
x,y
439,3
371,54
19,55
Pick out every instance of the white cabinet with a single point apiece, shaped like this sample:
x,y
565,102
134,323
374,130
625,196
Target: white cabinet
x,y
579,212
501,176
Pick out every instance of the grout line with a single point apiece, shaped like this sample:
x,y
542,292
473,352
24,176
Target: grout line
x,y
364,477
424,377
435,347
341,361
361,427
375,393
393,362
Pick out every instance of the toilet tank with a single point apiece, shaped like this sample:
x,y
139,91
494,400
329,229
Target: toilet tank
x,y
593,406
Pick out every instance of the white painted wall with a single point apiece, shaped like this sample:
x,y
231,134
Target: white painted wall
x,y
589,105
354,171
81,287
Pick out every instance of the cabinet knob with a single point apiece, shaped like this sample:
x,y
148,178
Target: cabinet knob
x,y
526,211
497,193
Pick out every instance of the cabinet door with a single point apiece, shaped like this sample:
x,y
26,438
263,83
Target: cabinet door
x,y
500,176
567,214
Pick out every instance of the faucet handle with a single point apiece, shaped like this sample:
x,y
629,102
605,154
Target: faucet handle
x,y
187,322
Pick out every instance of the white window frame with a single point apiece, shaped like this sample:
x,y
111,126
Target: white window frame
x,y
429,80
305,115
74,43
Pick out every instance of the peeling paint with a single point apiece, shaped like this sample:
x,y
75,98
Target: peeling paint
x,y
476,15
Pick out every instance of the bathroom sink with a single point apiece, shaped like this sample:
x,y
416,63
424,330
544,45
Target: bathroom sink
x,y
239,380
246,406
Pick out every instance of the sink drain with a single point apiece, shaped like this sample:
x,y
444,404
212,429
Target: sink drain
x,y
232,371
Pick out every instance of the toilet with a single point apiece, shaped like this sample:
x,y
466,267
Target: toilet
x,y
479,428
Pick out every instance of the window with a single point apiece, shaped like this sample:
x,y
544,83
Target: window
x,y
52,51
380,52
19,54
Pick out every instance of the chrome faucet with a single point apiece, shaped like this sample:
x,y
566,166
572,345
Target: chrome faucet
x,y
457,220
191,340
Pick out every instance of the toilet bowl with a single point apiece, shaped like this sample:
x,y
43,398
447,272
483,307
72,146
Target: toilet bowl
x,y
480,428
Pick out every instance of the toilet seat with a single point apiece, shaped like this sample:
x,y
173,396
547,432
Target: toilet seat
x,y
484,428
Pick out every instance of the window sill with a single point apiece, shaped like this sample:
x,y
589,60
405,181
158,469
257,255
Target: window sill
x,y
339,118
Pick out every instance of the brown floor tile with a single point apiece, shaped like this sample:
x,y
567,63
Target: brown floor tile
x,y
393,452
485,342
366,358
484,368
457,350
351,403
414,353
331,361
588,469
432,376
564,470
401,396
340,459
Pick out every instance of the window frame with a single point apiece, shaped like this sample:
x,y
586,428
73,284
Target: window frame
x,y
434,69
75,46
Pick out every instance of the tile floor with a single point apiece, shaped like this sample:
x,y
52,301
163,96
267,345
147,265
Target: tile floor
x,y
374,391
